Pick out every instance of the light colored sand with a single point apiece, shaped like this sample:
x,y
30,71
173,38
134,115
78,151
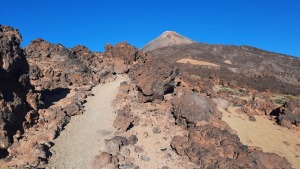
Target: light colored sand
x,y
197,62
83,137
266,135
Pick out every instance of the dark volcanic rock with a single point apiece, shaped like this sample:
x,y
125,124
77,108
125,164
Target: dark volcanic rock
x,y
14,87
53,66
154,79
288,114
269,160
90,59
122,56
211,147
190,107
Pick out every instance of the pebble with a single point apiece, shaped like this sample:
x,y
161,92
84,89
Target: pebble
x,y
145,158
252,118
138,149
156,130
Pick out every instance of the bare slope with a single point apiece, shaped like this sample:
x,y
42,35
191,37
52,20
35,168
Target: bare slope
x,y
84,136
249,66
168,38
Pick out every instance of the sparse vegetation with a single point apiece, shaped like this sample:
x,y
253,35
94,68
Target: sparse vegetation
x,y
229,90
281,99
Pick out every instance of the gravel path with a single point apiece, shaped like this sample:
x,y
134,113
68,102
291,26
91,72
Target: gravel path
x,y
84,136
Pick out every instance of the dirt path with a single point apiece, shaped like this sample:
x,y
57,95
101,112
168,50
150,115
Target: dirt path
x,y
84,136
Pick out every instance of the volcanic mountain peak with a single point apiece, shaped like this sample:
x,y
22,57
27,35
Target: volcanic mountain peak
x,y
168,38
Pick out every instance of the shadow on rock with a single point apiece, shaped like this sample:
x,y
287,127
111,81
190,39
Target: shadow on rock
x,y
49,97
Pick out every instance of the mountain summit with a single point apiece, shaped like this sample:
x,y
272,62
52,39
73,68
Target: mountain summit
x,y
168,38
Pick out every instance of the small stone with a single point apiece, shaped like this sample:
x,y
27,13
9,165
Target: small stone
x,y
103,132
112,147
125,151
132,139
163,149
252,118
286,143
146,134
169,155
164,167
156,130
130,160
138,149
127,165
145,158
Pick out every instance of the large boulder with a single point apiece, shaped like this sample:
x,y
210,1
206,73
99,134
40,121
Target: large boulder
x,y
153,79
288,115
122,56
190,108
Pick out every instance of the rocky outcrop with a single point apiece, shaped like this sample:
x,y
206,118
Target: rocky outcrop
x,y
153,79
121,56
53,66
270,160
288,115
212,147
16,94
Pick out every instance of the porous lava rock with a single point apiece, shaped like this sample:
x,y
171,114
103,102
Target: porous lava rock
x,y
153,79
122,56
15,98
53,66
211,147
288,115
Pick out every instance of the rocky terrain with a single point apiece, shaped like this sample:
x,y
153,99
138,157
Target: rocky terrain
x,y
179,105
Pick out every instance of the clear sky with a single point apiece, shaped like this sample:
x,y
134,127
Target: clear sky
x,y
272,25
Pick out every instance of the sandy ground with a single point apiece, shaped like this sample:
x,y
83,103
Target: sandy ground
x,y
197,62
84,136
265,134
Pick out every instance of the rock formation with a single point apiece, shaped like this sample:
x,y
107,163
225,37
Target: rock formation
x,y
18,102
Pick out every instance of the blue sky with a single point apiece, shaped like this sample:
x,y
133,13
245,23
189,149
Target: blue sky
x,y
270,25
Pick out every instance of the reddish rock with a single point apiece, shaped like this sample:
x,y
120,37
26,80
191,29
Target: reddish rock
x,y
15,99
124,119
153,79
49,62
270,160
211,147
103,161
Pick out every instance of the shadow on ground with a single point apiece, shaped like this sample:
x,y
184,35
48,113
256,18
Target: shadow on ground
x,y
49,97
